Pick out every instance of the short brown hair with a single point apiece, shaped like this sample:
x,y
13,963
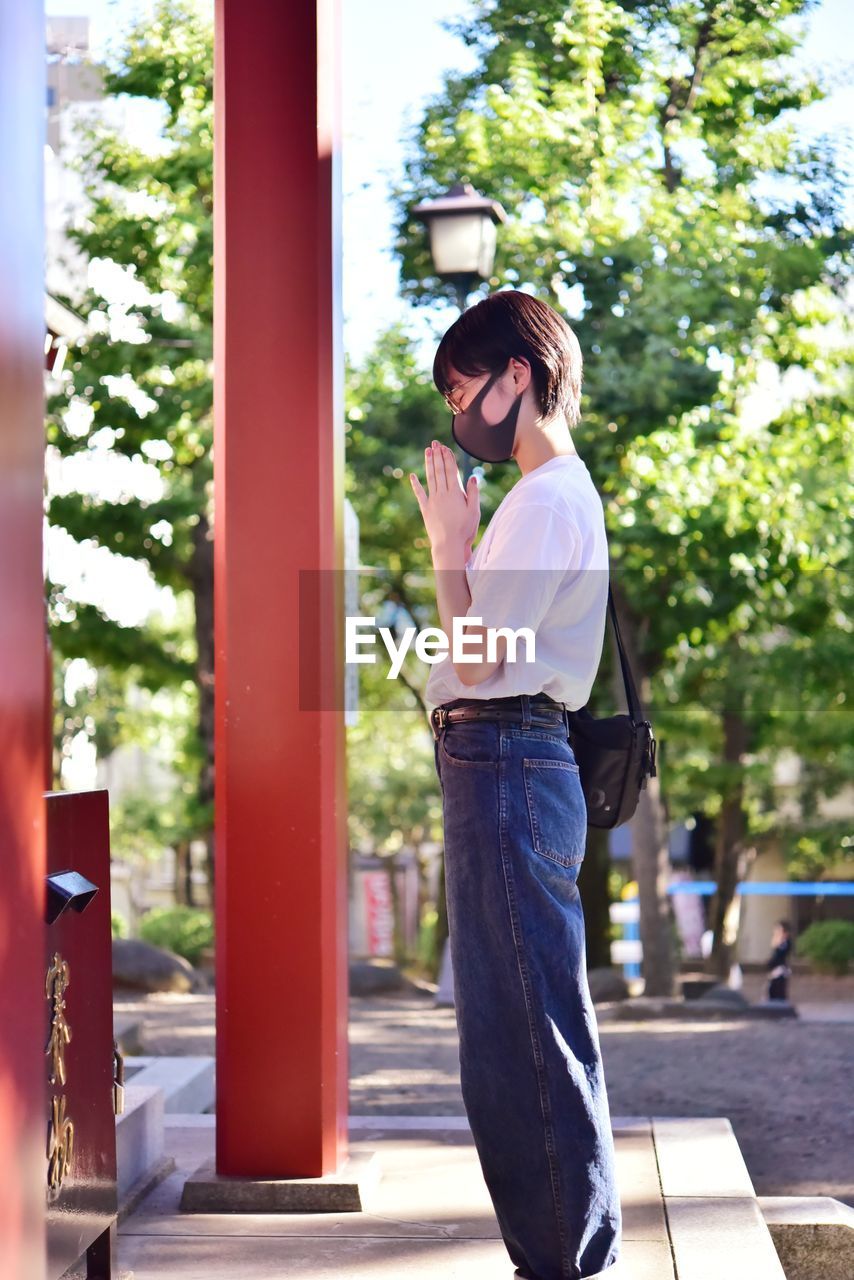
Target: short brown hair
x,y
512,323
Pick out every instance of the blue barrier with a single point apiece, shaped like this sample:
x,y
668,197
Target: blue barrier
x,y
705,888
796,888
631,930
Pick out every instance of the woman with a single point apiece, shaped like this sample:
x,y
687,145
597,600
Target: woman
x,y
514,812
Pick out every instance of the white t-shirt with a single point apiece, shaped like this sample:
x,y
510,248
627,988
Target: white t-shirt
x,y
542,563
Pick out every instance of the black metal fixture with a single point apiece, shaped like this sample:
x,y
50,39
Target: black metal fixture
x,y
67,889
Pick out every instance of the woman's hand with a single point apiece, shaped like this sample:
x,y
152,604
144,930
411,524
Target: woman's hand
x,y
451,513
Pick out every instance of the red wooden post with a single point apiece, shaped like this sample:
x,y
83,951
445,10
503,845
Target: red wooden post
x,y
23,1119
81,1210
281,883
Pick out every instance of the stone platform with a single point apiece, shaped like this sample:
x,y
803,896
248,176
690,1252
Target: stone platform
x,y
689,1211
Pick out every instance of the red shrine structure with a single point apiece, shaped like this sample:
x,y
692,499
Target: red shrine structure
x,y
280,903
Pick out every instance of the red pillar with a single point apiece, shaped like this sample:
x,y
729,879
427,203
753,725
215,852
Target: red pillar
x,y
280,853
23,1117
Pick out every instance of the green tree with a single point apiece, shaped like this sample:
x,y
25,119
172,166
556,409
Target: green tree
x,y
752,533
392,410
111,713
140,380
659,193
394,797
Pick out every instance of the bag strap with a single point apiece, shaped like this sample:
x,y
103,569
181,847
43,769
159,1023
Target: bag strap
x,y
632,699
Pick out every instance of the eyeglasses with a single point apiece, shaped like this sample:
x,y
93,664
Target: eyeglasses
x,y
454,408
457,408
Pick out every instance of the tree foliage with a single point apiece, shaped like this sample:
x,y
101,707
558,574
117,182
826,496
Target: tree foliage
x,y
660,194
138,384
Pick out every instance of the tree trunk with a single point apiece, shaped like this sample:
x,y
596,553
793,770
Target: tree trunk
x,y
182,873
201,577
650,837
421,906
593,888
398,942
730,854
188,882
651,865
420,898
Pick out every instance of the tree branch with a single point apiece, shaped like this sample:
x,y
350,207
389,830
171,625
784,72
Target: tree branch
x,y
415,691
673,109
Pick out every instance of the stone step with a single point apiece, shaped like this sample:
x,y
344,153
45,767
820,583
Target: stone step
x,y
140,1157
723,1238
813,1235
689,1209
187,1083
714,1220
699,1156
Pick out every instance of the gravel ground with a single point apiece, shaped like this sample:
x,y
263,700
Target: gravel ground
x,y
785,1085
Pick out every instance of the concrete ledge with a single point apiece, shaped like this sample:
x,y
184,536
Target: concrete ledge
x,y
456,1123
187,1083
773,1009
78,1272
699,1156
382,1123
139,1137
347,1191
693,985
726,1237
643,1008
413,1124
813,1235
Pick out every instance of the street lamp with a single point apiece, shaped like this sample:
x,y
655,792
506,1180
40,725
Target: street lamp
x,y
461,225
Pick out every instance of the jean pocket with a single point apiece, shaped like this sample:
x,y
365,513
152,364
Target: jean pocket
x,y
556,809
471,743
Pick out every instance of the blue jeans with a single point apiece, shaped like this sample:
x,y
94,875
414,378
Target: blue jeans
x,y
531,1071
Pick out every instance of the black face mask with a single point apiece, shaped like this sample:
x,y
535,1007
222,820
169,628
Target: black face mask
x,y
488,442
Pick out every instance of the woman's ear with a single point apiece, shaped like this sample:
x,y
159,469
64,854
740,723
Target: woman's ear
x,y
521,370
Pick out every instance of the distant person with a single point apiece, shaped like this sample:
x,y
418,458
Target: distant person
x,y
778,965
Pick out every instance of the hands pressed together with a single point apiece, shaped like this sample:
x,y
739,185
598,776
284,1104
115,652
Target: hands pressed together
x,y
451,513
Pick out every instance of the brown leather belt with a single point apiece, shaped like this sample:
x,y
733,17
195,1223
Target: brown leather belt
x,y
539,711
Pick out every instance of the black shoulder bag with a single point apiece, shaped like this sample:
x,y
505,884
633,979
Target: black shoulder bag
x,y
615,754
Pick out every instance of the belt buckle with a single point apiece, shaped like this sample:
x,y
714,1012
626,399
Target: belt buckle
x,y
439,715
